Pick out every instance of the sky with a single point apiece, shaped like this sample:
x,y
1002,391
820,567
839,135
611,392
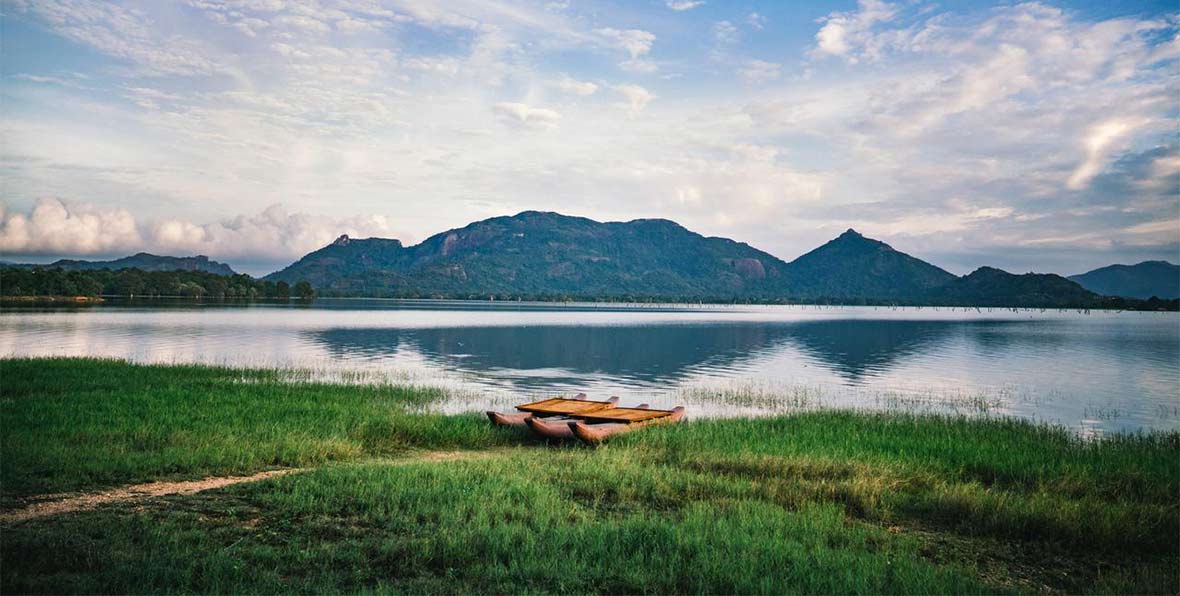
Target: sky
x,y
1028,136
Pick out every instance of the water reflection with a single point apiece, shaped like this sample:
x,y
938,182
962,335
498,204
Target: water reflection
x,y
643,354
1106,371
652,354
855,349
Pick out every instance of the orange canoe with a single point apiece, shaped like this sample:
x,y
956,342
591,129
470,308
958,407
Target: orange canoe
x,y
558,427
557,406
595,427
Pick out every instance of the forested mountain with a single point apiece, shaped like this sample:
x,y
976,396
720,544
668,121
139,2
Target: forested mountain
x,y
1147,279
854,267
546,255
988,286
142,261
42,282
536,255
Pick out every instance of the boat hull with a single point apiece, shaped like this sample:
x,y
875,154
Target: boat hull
x,y
597,433
556,428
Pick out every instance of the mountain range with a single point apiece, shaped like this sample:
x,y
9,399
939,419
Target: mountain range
x,y
142,261
548,255
543,255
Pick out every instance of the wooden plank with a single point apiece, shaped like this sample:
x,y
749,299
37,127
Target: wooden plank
x,y
559,405
626,415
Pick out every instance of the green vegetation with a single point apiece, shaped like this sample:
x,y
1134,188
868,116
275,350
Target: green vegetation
x,y
49,282
544,256
815,502
77,423
146,262
1145,280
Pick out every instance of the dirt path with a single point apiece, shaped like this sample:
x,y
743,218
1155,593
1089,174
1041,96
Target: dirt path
x,y
131,493
57,504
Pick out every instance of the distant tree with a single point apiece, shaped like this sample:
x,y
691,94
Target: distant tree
x,y
304,291
282,290
216,287
190,290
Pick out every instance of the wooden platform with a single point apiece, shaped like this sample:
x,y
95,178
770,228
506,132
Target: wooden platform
x,y
560,405
624,415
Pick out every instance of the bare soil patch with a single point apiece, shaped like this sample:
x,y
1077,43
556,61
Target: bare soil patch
x,y
56,504
130,493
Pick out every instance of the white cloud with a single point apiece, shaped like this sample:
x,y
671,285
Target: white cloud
x,y
523,115
57,228
53,228
303,22
679,5
636,42
725,33
756,21
845,32
637,98
760,71
639,66
753,152
273,234
125,34
443,66
1100,141
566,84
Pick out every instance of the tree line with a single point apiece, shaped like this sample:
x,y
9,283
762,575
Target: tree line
x,y
136,283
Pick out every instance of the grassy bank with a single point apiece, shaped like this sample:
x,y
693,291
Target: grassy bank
x,y
828,501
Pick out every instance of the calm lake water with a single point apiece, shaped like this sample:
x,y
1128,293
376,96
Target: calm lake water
x,y
1096,373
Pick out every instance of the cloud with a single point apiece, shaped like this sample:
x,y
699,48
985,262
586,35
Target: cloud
x,y
843,32
639,66
52,228
566,84
679,5
760,71
57,228
637,98
636,42
443,66
756,21
1100,141
753,152
525,116
274,234
125,34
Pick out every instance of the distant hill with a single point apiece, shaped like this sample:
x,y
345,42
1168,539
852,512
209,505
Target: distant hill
x,y
1147,279
145,262
988,286
854,267
539,254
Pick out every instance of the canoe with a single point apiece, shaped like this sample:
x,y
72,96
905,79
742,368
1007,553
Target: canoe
x,y
595,427
557,406
558,427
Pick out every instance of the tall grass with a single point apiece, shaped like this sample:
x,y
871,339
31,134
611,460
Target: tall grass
x,y
76,423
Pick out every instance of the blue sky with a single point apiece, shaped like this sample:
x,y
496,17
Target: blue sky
x,y
1033,137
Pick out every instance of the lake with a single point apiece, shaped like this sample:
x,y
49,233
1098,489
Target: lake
x,y
1096,372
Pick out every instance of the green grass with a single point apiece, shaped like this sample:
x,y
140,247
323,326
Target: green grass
x,y
76,423
817,502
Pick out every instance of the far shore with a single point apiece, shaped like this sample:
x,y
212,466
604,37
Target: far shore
x,y
1167,306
